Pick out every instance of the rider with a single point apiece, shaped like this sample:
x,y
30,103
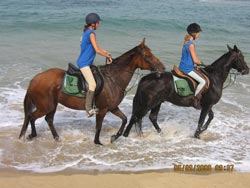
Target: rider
x,y
89,48
189,59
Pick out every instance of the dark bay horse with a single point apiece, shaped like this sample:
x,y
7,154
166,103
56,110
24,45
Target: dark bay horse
x,y
45,91
153,90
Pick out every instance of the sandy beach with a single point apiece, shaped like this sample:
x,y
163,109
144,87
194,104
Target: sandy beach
x,y
17,179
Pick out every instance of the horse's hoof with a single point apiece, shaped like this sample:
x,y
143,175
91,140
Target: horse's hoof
x,y
114,138
140,133
197,135
97,142
56,138
158,130
125,134
30,137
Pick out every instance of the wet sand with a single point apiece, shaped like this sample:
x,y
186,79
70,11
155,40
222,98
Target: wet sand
x,y
149,179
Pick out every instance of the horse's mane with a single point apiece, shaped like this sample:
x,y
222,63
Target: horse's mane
x,y
217,64
122,60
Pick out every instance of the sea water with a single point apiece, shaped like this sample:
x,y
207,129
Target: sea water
x,y
37,35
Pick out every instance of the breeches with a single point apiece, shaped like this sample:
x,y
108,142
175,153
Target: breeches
x,y
199,79
88,75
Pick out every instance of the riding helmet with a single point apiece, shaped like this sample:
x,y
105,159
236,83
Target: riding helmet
x,y
193,28
92,18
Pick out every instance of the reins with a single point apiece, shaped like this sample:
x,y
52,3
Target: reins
x,y
234,74
139,76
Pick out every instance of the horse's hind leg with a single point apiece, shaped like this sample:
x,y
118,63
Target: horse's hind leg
x,y
138,127
119,113
50,118
153,117
34,116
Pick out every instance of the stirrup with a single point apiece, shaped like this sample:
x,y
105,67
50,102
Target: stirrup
x,y
96,109
92,112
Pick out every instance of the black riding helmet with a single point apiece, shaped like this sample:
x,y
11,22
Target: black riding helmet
x,y
92,18
193,28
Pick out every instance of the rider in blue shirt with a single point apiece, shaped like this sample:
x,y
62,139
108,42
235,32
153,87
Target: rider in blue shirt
x,y
89,48
189,59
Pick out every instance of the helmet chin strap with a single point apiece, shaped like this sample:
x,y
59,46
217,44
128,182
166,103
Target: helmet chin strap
x,y
94,26
193,36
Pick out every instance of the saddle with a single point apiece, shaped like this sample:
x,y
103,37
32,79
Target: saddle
x,y
186,85
75,84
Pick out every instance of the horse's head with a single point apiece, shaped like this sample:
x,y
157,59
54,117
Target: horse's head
x,y
239,63
147,60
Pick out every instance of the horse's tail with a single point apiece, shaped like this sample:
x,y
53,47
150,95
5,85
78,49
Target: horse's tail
x,y
27,110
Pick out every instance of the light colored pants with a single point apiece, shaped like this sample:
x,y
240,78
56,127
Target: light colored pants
x,y
88,75
199,79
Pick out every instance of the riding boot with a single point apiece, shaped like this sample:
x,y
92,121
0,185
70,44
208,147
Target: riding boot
x,y
197,103
89,104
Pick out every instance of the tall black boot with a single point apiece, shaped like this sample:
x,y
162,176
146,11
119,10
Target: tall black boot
x,y
89,104
197,103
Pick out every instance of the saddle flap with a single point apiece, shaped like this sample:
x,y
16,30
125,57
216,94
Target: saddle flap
x,y
73,70
192,83
176,71
82,85
182,87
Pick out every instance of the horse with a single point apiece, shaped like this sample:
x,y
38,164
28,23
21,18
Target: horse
x,y
152,91
45,91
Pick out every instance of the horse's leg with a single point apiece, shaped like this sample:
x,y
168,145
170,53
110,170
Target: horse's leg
x,y
119,113
153,117
203,114
138,127
34,116
132,121
210,118
50,118
99,119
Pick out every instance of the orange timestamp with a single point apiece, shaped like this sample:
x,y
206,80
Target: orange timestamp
x,y
203,168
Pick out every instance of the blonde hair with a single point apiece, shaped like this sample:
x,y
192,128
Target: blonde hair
x,y
187,38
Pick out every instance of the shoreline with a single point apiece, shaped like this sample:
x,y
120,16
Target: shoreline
x,y
152,178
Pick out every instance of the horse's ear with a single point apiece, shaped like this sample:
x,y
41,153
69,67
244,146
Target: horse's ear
x,y
236,48
229,48
143,43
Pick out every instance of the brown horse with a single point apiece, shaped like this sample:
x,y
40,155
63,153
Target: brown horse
x,y
45,91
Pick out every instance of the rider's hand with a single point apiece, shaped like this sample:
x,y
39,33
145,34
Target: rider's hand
x,y
109,60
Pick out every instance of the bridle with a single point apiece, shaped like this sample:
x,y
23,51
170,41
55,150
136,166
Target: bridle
x,y
233,73
147,58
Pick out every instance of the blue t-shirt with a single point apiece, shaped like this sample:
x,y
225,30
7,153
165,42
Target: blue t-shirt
x,y
88,53
187,63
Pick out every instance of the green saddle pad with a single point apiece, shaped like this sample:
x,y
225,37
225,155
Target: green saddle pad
x,y
182,87
70,86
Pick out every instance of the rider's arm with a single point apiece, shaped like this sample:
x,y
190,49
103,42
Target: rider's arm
x,y
193,54
99,50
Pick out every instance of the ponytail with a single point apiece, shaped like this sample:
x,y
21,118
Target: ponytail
x,y
85,28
